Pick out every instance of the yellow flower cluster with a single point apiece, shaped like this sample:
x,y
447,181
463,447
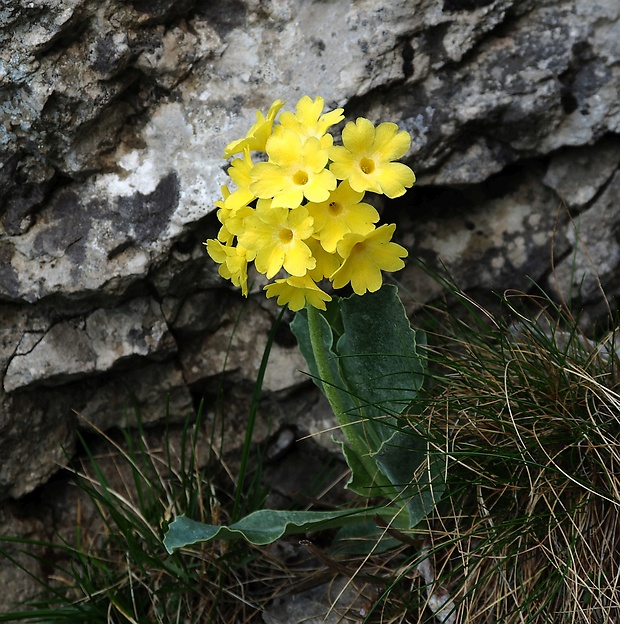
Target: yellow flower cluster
x,y
299,210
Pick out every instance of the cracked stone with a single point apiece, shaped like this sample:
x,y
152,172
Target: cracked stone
x,y
76,348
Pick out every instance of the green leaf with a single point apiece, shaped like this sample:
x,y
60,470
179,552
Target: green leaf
x,y
362,481
300,329
377,370
378,352
261,527
414,471
329,379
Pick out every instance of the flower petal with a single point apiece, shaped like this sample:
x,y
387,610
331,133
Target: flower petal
x,y
358,136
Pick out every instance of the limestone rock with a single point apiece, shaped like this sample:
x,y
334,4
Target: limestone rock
x,y
17,584
238,347
113,120
329,603
595,261
502,242
121,154
37,434
577,174
93,344
152,393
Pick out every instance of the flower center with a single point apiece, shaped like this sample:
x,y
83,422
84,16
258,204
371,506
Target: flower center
x,y
334,208
286,235
367,165
300,178
358,248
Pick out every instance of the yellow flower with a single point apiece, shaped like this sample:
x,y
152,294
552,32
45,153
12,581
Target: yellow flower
x,y
365,256
307,120
341,213
274,238
326,263
235,223
289,213
365,158
295,292
257,136
296,169
234,206
239,172
224,235
233,261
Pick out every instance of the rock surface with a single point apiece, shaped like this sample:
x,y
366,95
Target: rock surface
x,y
114,116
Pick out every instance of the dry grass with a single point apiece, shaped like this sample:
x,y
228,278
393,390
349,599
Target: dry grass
x,y
528,411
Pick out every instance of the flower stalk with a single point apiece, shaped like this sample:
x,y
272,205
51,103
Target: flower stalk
x,y
330,386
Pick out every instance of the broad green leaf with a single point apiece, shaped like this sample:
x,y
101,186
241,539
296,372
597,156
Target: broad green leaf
x,y
345,406
361,481
261,527
379,353
378,369
414,472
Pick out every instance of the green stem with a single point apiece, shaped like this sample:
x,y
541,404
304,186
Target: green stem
x,y
332,392
322,363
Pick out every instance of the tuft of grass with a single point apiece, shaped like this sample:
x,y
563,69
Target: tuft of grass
x,y
114,567
526,408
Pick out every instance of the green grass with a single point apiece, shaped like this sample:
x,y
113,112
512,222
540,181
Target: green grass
x,y
115,568
526,408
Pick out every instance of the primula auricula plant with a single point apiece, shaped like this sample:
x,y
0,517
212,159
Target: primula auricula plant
x,y
297,212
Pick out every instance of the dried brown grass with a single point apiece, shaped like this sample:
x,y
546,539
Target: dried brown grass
x,y
527,409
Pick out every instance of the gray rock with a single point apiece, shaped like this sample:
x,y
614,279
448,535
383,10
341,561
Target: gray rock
x,y
20,329
94,344
479,86
37,434
340,600
203,312
16,582
503,242
577,174
238,348
152,393
590,271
